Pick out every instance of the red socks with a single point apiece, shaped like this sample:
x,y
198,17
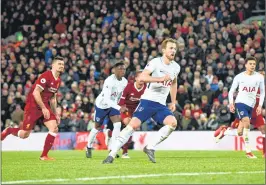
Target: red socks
x,y
49,141
13,131
125,147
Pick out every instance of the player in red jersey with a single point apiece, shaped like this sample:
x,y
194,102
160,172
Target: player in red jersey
x,y
257,121
41,103
130,99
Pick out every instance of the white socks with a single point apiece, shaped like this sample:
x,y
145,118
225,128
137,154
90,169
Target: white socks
x,y
91,137
115,133
246,140
231,132
163,133
121,140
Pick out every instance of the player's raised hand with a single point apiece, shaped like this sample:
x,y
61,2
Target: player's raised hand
x,y
123,109
172,107
258,110
165,78
232,107
46,113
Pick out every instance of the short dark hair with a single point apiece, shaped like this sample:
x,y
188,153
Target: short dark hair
x,y
250,58
57,58
121,63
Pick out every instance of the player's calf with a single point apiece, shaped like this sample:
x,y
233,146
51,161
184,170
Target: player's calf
x,y
219,133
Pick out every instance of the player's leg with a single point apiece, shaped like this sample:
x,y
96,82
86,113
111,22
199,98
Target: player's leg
x,y
246,130
142,113
166,117
52,126
244,113
126,117
116,120
99,116
30,117
123,137
108,132
170,124
236,129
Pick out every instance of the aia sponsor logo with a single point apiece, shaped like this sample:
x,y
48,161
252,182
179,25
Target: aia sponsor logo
x,y
249,89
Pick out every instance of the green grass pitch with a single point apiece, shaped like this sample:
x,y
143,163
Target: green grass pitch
x,y
172,167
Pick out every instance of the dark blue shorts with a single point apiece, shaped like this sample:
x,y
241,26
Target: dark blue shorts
x,y
100,114
243,110
150,109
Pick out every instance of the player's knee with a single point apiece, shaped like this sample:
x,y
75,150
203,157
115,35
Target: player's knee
x,y
54,129
174,124
135,123
170,121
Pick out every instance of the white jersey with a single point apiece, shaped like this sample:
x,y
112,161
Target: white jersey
x,y
248,86
111,93
156,91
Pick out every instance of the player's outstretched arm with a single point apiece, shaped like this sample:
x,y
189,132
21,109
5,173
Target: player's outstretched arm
x,y
38,98
262,95
231,94
145,77
53,103
262,91
173,92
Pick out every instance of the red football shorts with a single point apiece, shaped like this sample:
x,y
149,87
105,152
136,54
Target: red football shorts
x,y
31,115
126,115
257,120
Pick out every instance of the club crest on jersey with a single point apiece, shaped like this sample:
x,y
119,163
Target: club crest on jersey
x,y
43,80
242,113
249,89
140,109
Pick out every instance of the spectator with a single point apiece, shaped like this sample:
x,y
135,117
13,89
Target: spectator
x,y
17,115
224,95
213,43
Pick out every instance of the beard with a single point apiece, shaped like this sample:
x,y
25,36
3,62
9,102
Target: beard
x,y
170,57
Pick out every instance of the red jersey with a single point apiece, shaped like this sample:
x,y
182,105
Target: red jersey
x,y
131,96
48,84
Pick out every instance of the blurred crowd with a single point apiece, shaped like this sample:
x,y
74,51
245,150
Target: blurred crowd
x,y
93,35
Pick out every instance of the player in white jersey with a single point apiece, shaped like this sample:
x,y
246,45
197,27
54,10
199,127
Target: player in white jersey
x,y
161,75
248,83
106,104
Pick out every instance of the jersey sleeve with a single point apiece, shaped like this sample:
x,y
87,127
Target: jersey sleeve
x,y
233,89
151,65
177,71
107,87
42,81
124,95
262,91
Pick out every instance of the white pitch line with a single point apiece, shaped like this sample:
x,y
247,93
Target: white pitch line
x,y
131,177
